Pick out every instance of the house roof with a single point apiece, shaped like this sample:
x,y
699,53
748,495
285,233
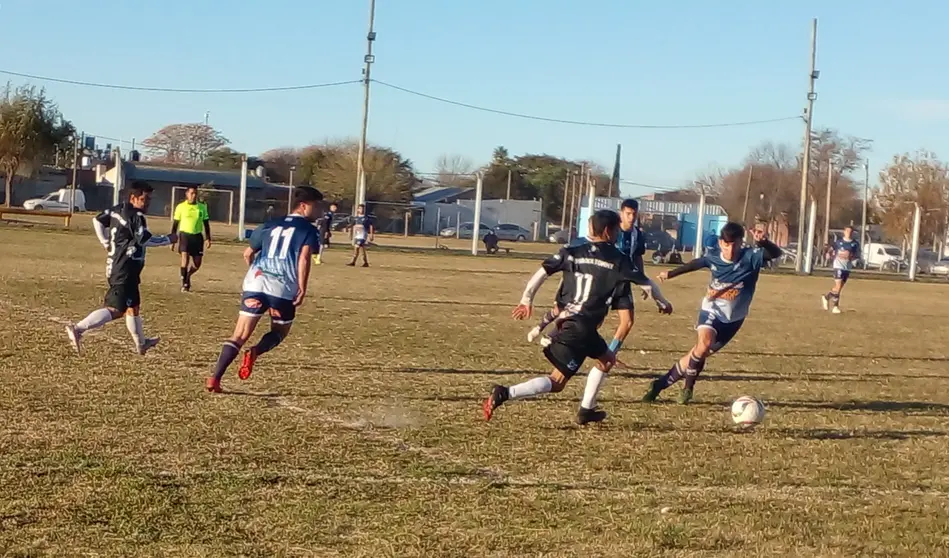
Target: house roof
x,y
134,171
437,194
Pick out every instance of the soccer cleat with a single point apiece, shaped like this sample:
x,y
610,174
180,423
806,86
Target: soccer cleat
x,y
586,416
836,310
365,264
148,344
351,264
186,288
317,260
496,399
685,396
75,338
533,334
247,364
654,390
213,385
823,301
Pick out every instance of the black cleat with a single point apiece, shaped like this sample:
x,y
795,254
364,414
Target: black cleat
x,y
653,393
365,264
497,398
586,416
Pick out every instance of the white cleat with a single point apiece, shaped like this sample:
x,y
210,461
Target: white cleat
x,y
836,310
75,338
148,344
823,301
533,334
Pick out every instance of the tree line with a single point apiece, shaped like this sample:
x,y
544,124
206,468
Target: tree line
x,y
764,186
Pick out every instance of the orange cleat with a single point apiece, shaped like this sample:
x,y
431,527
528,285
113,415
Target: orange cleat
x,y
247,364
213,385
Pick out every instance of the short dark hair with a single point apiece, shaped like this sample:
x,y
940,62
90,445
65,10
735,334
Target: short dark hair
x,y
306,194
139,188
630,203
604,221
848,227
191,187
361,206
732,232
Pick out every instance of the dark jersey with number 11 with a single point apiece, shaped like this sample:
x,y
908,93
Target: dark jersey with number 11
x,y
591,273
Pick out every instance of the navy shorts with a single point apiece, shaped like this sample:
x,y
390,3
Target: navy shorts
x,y
724,331
281,310
842,275
359,242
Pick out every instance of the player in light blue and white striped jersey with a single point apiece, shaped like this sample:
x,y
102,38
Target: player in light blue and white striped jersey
x,y
279,259
846,250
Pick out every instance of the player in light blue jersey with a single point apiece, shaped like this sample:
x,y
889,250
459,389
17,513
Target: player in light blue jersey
x,y
846,250
362,231
735,269
278,259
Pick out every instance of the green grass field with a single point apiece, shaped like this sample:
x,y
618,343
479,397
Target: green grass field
x,y
361,435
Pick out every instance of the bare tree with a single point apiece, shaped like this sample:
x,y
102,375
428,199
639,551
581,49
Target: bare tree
x,y
454,170
183,144
921,179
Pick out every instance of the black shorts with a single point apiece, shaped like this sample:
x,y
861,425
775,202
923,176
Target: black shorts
x,y
191,244
325,237
573,343
123,295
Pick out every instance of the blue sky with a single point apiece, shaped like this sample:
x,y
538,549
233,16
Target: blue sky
x,y
624,61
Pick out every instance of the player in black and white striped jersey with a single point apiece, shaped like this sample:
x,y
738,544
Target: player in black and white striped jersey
x,y
123,232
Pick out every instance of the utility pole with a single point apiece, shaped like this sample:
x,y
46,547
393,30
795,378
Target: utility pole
x,y
830,177
700,226
574,184
508,183
366,73
290,191
207,117
476,226
866,194
806,158
75,174
566,194
744,209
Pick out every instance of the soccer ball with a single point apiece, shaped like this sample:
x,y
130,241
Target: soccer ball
x,y
747,411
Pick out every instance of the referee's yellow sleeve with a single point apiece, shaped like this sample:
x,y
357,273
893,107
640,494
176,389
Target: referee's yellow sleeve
x,y
177,216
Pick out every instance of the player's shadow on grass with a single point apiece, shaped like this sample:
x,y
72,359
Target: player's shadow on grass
x,y
829,434
378,299
823,356
909,407
646,374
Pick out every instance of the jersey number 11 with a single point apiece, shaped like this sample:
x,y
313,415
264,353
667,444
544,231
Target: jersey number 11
x,y
276,236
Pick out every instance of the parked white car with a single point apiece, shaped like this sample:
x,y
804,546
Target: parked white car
x,y
882,256
58,201
940,268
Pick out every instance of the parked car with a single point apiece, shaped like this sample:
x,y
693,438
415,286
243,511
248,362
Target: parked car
x,y
882,256
925,260
465,231
510,231
940,268
58,201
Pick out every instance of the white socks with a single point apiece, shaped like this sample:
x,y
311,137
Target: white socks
x,y
135,327
95,320
595,380
535,386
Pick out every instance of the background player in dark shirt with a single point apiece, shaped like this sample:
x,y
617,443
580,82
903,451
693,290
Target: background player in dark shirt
x,y
122,231
326,232
592,271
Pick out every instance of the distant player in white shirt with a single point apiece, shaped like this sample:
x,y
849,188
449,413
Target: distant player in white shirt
x,y
279,259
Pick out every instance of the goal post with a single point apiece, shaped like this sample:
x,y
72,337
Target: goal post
x,y
220,202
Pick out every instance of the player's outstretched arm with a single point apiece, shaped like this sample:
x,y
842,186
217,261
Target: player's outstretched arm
x,y
551,265
692,265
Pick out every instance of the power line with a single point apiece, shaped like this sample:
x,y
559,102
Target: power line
x,y
584,123
181,90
